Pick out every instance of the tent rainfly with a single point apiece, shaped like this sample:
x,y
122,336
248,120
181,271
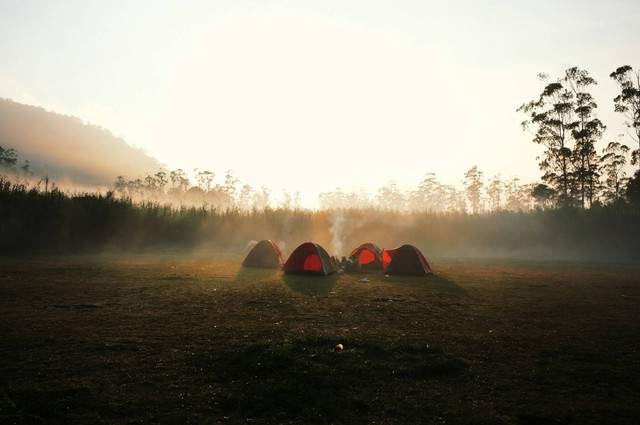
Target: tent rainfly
x,y
310,258
265,254
405,260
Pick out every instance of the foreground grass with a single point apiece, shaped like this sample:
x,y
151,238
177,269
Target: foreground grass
x,y
201,340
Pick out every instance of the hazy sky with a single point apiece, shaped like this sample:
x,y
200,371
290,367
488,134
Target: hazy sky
x,y
315,95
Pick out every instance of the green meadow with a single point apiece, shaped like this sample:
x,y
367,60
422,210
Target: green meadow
x,y
199,339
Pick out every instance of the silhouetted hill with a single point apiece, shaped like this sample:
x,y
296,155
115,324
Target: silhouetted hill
x,y
67,149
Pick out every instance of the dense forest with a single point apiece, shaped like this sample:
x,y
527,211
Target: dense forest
x,y
37,221
585,207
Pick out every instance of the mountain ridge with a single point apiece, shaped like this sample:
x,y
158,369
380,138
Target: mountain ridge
x,y
65,148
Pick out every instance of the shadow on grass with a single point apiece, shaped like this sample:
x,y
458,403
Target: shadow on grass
x,y
256,274
433,282
309,284
41,406
309,381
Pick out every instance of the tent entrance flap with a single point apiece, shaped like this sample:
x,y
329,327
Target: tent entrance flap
x,y
366,257
312,263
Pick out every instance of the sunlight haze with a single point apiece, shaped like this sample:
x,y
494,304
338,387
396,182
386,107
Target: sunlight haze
x,y
309,96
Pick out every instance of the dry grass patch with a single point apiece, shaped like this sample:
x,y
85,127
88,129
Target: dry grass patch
x,y
194,339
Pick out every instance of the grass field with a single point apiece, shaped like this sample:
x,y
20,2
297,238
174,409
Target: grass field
x,y
91,340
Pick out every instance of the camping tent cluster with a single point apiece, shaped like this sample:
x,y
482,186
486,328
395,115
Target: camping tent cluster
x,y
311,258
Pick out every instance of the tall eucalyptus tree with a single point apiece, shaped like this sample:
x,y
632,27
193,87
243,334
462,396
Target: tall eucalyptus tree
x,y
550,121
563,120
628,103
586,130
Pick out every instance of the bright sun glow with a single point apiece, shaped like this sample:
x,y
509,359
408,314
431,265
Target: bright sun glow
x,y
292,96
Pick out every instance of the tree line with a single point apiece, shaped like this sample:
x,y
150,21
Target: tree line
x,y
475,196
177,188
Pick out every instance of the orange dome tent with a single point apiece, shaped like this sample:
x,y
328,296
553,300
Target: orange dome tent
x,y
368,255
405,260
310,258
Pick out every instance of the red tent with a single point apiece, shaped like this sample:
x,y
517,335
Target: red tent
x,y
310,258
265,253
405,260
368,255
